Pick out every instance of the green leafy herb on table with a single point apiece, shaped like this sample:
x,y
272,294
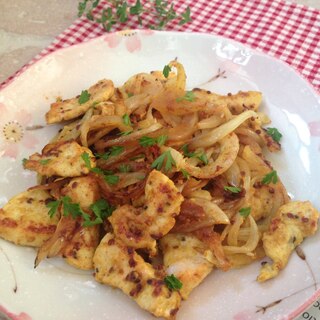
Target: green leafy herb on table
x,y
120,11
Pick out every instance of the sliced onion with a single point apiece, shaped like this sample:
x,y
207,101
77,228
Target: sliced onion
x,y
210,138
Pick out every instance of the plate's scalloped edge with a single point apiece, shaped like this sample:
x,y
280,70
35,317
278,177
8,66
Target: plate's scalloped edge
x,y
44,54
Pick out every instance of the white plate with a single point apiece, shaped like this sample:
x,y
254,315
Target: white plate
x,y
56,291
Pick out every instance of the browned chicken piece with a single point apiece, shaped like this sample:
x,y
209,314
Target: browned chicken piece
x,y
62,159
239,102
24,220
72,108
292,223
188,258
141,227
71,239
120,266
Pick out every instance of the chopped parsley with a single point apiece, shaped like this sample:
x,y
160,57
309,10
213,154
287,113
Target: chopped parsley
x,y
271,177
125,133
274,133
44,161
164,157
172,282
186,151
189,96
113,151
185,173
24,161
84,97
108,175
244,212
124,168
102,210
53,206
232,189
202,157
69,208
148,141
126,120
166,70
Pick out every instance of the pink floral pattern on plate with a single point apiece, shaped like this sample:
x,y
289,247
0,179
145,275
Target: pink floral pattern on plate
x,y
314,127
132,39
21,316
13,132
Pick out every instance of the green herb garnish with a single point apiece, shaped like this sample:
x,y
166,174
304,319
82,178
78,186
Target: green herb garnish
x,y
185,173
232,189
124,168
164,157
172,282
148,141
126,120
166,70
271,177
244,212
274,133
112,152
189,96
102,210
84,97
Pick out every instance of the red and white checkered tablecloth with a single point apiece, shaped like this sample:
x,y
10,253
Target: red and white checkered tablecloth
x,y
286,30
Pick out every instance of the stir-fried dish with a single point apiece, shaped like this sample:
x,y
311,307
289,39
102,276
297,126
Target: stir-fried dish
x,y
153,186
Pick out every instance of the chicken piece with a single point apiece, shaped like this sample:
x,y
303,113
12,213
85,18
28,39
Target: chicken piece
x,y
72,240
71,108
62,159
189,259
120,266
292,223
82,190
238,102
24,220
265,199
141,227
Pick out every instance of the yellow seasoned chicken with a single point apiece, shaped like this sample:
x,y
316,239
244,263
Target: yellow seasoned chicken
x,y
188,258
75,107
71,239
292,223
24,219
141,227
62,159
120,266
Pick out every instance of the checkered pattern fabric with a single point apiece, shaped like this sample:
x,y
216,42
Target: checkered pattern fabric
x,y
285,30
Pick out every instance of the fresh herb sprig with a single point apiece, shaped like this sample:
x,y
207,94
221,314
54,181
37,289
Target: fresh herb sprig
x,y
172,282
101,210
275,134
232,189
146,141
244,212
201,156
165,158
271,177
120,11
108,175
